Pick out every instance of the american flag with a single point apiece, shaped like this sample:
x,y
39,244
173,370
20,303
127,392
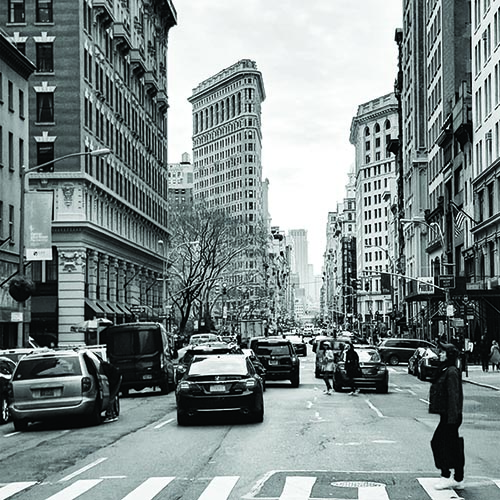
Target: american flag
x,y
459,221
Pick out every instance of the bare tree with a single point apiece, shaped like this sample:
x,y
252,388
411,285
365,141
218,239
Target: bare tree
x,y
205,249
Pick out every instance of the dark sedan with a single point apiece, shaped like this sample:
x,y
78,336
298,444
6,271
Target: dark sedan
x,y
203,349
221,384
7,367
375,373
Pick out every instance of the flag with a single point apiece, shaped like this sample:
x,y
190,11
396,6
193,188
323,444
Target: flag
x,y
459,220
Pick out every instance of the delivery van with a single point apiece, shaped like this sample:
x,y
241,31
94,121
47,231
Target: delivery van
x,y
143,352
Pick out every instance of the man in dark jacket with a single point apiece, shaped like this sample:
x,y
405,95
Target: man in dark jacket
x,y
446,399
352,368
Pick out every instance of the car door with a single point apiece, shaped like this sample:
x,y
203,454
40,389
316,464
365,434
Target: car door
x,y
94,367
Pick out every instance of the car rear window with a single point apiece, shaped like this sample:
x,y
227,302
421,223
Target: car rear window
x,y
40,368
218,365
275,349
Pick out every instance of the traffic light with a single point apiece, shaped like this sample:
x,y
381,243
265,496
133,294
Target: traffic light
x,y
385,283
224,289
367,286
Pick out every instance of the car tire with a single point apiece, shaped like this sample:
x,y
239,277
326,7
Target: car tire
x,y
182,418
383,388
258,416
393,360
4,411
124,393
295,380
21,425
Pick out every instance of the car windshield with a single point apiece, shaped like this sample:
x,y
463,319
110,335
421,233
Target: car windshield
x,y
64,366
276,349
218,365
368,356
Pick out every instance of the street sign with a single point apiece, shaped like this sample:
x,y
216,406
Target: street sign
x,y
447,281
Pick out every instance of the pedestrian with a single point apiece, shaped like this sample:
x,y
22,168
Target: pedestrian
x,y
446,399
114,381
352,367
495,356
327,367
484,353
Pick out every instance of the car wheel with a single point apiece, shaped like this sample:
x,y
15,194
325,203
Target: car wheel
x,y
4,411
258,416
394,360
295,380
383,388
21,425
124,393
182,418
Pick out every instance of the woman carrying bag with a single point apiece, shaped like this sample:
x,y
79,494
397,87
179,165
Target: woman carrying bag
x,y
446,399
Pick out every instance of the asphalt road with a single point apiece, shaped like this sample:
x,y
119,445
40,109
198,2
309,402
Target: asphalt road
x,y
310,446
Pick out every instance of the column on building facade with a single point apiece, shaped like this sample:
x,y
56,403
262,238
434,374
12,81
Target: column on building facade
x,y
71,293
120,282
102,290
113,278
132,287
92,262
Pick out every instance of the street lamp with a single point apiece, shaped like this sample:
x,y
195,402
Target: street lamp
x,y
22,222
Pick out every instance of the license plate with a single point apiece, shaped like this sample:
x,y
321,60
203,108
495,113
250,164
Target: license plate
x,y
217,388
49,393
273,361
148,376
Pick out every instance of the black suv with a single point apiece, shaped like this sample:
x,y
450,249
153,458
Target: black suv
x,y
394,351
279,359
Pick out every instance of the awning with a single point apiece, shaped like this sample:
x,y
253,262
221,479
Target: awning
x,y
105,307
92,305
124,309
114,308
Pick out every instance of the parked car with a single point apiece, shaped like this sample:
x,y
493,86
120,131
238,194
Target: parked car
x,y
375,373
428,364
222,383
7,367
144,354
202,349
299,344
56,384
279,359
257,363
414,360
398,350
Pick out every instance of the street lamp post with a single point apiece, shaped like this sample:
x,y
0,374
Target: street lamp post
x,y
22,222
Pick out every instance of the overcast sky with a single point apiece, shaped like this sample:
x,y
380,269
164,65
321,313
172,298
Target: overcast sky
x,y
319,60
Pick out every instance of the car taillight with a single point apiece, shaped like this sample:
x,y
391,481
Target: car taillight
x,y
86,384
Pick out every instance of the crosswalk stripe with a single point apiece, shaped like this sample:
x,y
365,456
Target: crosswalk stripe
x,y
297,488
497,482
13,488
428,485
219,488
149,488
76,489
372,493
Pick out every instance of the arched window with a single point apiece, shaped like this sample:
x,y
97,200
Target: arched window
x,y
387,124
367,131
377,128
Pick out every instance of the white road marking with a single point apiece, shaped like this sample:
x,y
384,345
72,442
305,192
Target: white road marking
x,y
10,434
159,426
13,488
149,488
383,441
76,489
83,469
374,408
497,482
297,488
428,483
372,493
219,488
424,401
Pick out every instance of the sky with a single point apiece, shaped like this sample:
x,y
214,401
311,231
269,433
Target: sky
x,y
319,61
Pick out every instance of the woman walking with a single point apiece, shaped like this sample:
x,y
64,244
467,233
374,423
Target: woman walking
x,y
352,368
446,399
328,364
495,356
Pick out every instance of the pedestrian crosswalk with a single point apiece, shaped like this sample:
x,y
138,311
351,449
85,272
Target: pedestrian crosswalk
x,y
293,487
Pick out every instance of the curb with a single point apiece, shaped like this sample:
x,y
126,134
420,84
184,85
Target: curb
x,y
487,386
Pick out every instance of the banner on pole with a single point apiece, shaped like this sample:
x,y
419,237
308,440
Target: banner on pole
x,y
38,225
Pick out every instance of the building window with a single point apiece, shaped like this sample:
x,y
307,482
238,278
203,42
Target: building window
x,y
21,154
11,96
11,222
21,103
1,146
16,11
11,151
1,220
45,57
45,154
44,11
45,107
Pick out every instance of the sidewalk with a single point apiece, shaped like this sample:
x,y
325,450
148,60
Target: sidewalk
x,y
476,376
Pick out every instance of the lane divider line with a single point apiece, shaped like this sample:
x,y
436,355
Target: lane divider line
x,y
83,469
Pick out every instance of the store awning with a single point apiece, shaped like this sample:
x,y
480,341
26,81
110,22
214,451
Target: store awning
x,y
92,305
125,310
105,307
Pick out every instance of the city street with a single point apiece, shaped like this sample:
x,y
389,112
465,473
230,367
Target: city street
x,y
310,446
